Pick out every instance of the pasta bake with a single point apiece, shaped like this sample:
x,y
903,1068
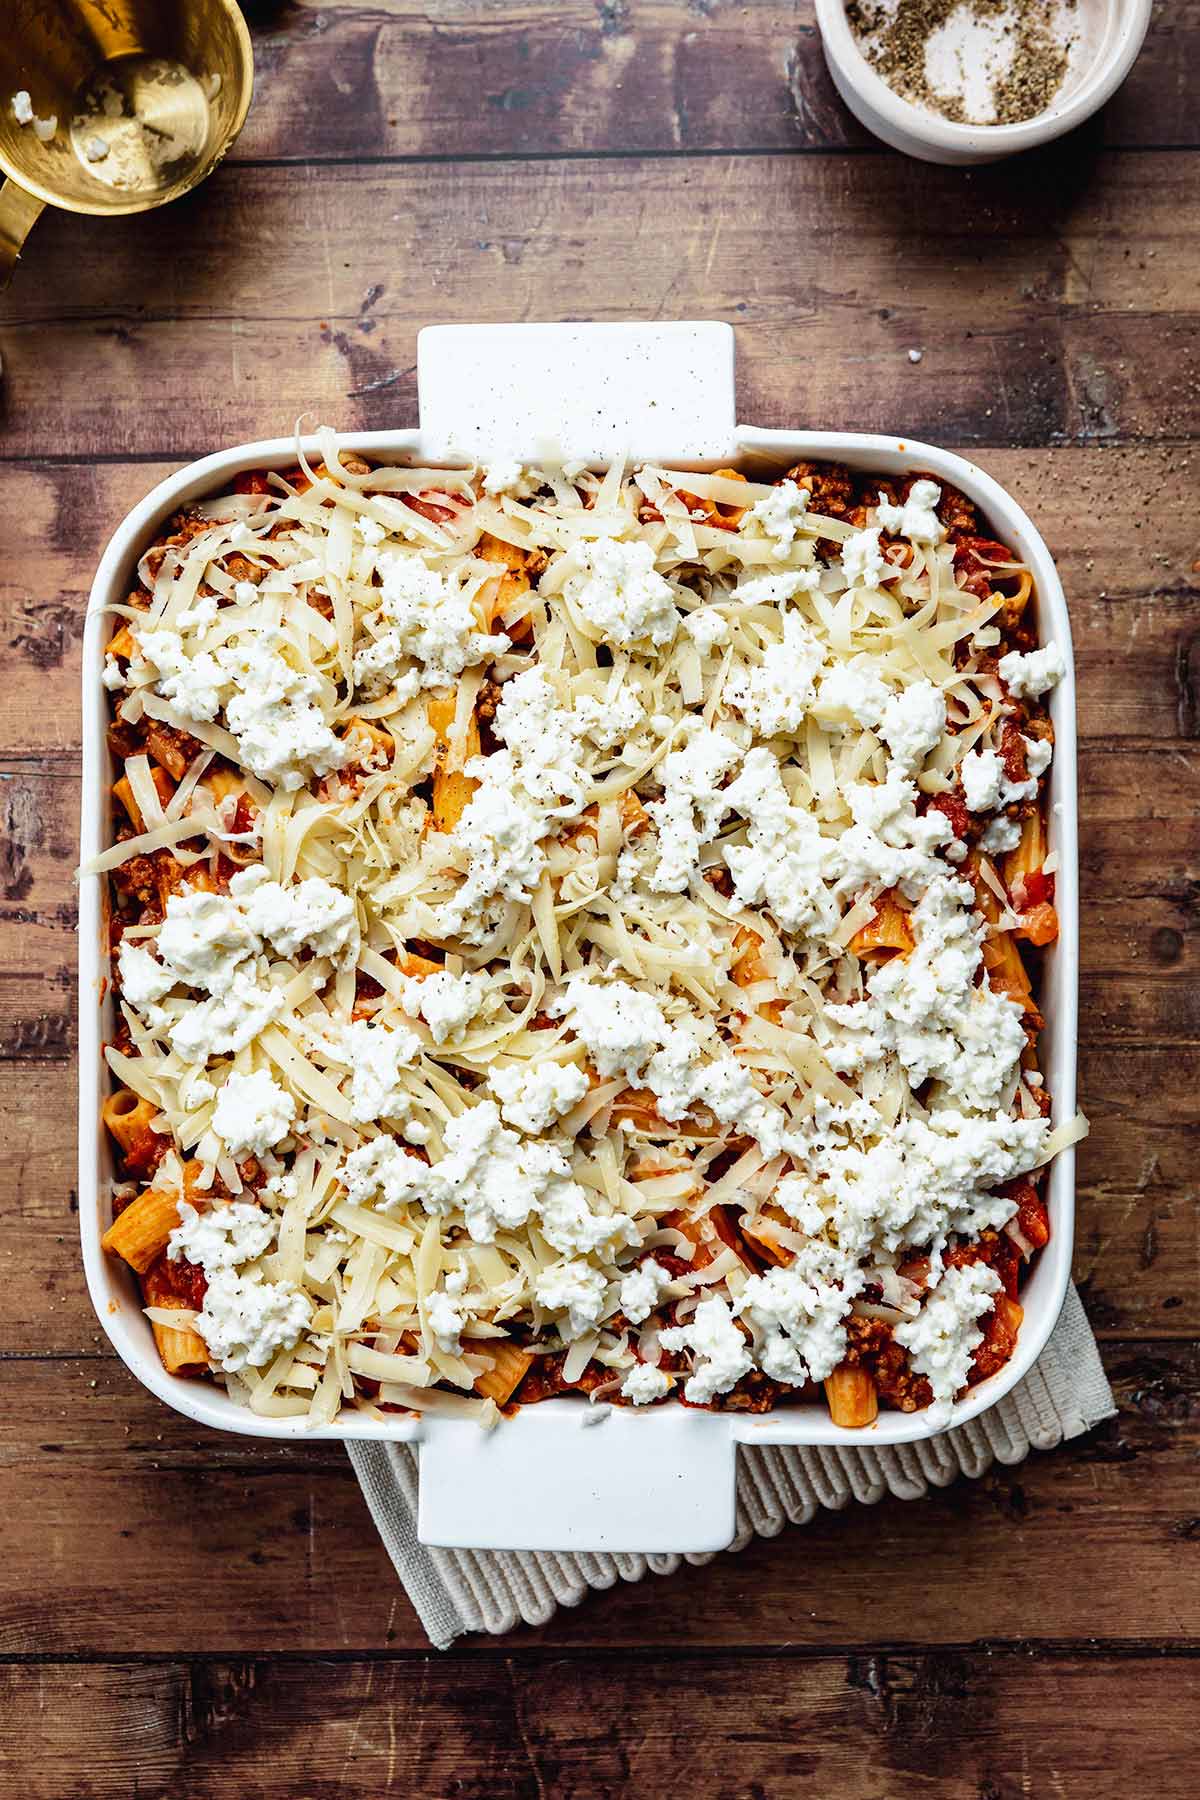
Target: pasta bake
x,y
579,931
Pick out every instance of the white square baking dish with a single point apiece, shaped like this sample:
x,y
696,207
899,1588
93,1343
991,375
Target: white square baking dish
x,y
663,1480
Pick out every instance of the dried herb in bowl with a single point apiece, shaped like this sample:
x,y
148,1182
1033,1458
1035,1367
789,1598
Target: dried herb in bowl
x,y
976,62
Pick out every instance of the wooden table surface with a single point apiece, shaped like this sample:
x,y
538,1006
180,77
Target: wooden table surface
x,y
190,1615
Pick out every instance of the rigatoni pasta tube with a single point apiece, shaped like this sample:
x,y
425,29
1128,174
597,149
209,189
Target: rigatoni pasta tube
x,y
509,1368
760,1232
140,1233
182,1350
123,791
451,789
127,1117
852,1396
888,931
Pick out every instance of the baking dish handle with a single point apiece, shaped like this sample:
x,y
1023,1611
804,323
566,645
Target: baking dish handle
x,y
567,1475
590,392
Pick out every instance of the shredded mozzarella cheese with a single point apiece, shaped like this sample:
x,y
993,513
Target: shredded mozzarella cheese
x,y
507,926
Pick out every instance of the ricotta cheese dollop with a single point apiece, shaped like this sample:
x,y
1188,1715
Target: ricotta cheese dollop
x,y
541,899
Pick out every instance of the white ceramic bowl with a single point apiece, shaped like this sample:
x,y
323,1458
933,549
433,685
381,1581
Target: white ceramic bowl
x,y
1120,29
662,1480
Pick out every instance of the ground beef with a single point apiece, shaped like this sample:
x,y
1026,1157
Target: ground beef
x,y
997,1250
184,1279
143,885
830,487
754,1393
125,740
958,514
965,826
544,1379
870,1344
1000,1331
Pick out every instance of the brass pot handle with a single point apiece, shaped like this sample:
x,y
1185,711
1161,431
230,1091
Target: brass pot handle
x,y
18,213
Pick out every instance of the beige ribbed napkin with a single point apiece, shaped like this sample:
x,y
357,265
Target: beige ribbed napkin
x,y
455,1591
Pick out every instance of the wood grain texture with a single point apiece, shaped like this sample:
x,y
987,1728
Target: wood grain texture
x,y
956,1723
273,297
280,1554
570,77
1035,1633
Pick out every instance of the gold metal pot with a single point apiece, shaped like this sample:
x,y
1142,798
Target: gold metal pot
x,y
114,106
